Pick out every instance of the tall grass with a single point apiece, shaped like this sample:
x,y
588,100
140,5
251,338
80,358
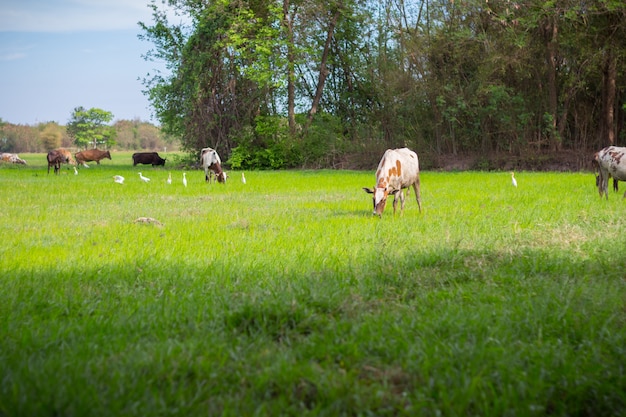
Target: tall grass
x,y
285,296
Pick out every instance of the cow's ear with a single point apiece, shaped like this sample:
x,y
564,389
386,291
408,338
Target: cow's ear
x,y
368,190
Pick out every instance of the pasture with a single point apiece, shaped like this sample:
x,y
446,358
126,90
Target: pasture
x,y
285,296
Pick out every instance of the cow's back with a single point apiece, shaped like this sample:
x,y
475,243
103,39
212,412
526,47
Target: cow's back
x,y
92,155
209,157
398,168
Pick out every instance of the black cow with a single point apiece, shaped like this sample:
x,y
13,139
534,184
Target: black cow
x,y
55,159
148,158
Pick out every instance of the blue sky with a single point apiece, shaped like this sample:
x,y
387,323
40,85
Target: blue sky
x,y
56,55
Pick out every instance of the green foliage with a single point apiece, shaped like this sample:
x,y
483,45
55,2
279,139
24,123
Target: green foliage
x,y
50,137
323,142
443,77
285,296
269,146
7,141
89,128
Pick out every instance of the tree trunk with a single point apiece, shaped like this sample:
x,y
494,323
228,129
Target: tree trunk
x,y
550,35
323,69
608,99
291,77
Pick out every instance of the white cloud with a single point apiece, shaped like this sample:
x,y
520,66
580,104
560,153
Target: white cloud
x,y
72,15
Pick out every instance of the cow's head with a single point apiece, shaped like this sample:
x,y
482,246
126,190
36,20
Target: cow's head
x,y
379,197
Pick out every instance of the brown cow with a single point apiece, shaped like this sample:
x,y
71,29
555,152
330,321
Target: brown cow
x,y
91,155
68,155
56,158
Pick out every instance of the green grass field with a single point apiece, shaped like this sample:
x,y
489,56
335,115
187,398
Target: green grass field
x,y
285,296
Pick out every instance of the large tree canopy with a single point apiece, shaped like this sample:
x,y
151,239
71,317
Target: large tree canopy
x,y
276,83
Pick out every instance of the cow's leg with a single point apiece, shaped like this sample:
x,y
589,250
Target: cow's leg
x,y
395,202
418,197
398,195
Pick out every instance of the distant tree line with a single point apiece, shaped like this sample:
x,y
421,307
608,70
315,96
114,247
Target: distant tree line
x,y
121,135
284,83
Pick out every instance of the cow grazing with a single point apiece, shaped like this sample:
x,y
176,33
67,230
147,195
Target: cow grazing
x,y
397,170
148,158
56,158
212,164
68,155
609,162
12,158
89,155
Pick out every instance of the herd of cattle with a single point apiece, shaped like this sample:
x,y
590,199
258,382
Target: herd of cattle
x,y
209,159
398,170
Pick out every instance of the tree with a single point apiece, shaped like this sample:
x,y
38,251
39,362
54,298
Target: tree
x,y
50,136
89,127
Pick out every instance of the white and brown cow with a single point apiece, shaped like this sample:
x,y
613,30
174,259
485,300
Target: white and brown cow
x,y
609,162
11,158
212,164
397,170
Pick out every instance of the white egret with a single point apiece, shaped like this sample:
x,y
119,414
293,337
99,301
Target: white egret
x,y
75,171
243,178
169,178
118,179
513,181
184,179
144,179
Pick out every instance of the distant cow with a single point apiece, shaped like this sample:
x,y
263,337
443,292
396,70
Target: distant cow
x,y
56,158
609,162
91,155
397,170
147,158
212,164
12,158
68,155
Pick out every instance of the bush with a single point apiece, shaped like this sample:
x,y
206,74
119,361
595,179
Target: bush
x,y
268,146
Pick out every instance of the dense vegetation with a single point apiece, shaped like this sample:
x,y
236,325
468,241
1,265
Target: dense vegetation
x,y
280,83
285,296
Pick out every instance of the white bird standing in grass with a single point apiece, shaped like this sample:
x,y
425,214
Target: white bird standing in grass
x,y
169,178
144,179
75,171
243,178
513,181
118,179
184,179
